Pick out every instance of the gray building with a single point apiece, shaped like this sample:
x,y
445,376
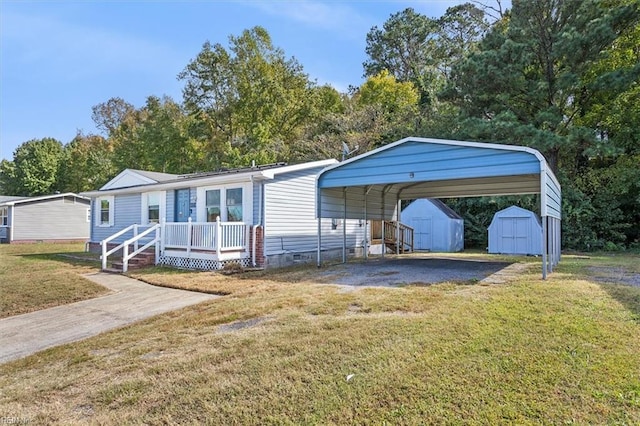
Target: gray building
x,y
57,217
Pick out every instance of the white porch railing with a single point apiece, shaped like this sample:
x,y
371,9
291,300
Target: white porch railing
x,y
218,241
205,236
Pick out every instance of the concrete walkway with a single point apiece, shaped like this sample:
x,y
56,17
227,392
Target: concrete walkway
x,y
130,301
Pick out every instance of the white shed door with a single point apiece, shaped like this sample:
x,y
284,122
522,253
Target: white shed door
x,y
514,236
422,233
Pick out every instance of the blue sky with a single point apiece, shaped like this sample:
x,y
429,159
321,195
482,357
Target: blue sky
x,y
60,58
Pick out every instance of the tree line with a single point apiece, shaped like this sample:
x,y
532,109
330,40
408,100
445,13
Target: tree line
x,y
561,76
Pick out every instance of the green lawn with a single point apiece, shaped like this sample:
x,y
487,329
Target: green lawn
x,y
38,276
278,350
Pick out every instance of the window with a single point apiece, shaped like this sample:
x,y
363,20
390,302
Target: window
x,y
227,203
152,207
104,207
234,205
213,205
88,215
4,216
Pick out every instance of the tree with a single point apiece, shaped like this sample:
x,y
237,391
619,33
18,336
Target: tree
x,y
88,163
36,164
380,111
255,102
108,116
530,79
8,184
460,29
392,96
405,47
157,137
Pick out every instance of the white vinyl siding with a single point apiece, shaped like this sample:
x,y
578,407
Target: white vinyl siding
x,y
54,219
290,219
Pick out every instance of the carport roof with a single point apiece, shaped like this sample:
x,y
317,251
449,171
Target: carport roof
x,y
370,186
434,168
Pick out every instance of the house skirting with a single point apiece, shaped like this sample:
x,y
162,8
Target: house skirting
x,y
281,260
48,241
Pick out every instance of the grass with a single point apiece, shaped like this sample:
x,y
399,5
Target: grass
x,y
37,276
279,347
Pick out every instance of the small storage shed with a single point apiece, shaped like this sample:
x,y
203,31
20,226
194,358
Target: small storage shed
x,y
515,230
436,227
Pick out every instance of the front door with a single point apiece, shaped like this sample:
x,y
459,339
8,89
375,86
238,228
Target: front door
x,y
182,205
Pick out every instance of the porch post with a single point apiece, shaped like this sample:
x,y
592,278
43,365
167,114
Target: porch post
x,y
163,234
218,236
189,237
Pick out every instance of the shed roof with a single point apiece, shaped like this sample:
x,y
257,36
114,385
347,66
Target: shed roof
x,y
440,205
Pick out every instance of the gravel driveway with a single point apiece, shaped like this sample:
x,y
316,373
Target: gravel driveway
x,y
390,272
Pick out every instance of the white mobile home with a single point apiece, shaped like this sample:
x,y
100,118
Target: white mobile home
x,y
57,217
515,230
436,227
257,216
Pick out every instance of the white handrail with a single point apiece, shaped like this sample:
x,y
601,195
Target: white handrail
x,y
126,256
136,237
103,243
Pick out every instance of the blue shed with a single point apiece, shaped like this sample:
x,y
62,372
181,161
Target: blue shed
x,y
436,226
515,230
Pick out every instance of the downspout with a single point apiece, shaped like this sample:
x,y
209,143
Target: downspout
x,y
13,221
259,223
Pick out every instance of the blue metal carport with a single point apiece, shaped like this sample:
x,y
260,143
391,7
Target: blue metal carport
x,y
371,185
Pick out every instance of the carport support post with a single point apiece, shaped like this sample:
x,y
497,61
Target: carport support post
x,y
544,247
398,226
319,208
344,225
366,241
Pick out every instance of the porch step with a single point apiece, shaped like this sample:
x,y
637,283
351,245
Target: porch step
x,y
137,262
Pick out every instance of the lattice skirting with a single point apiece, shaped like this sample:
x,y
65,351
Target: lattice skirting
x,y
201,264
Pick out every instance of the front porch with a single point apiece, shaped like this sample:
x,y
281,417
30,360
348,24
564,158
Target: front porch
x,y
187,245
205,245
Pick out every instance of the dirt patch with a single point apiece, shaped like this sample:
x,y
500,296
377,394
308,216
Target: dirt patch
x,y
614,275
240,325
398,272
